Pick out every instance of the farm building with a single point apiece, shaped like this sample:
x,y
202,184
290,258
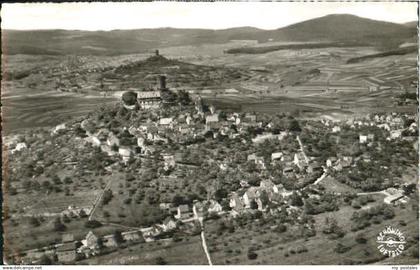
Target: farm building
x,y
91,241
109,241
393,198
169,224
131,235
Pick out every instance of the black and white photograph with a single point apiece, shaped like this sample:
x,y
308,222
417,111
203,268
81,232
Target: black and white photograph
x,y
210,133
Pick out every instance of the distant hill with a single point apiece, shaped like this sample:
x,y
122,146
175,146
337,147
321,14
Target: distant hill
x,y
411,24
343,27
331,28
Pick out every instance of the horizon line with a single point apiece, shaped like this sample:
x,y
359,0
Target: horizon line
x,y
214,29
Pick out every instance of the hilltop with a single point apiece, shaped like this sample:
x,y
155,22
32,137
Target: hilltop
x,y
331,28
344,27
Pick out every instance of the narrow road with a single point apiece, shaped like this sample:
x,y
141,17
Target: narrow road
x,y
301,149
99,198
203,238
317,181
321,177
373,193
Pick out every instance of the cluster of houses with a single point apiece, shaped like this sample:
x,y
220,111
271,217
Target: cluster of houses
x,y
69,250
252,197
185,127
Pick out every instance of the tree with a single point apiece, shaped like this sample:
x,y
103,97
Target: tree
x,y
129,98
45,260
107,196
220,194
93,224
66,219
281,228
295,199
118,237
340,248
361,239
82,213
67,180
294,126
184,97
161,261
252,255
56,180
58,226
34,221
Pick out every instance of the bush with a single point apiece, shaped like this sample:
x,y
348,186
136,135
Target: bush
x,y
161,261
340,248
58,226
93,224
280,228
66,219
129,98
252,255
34,222
360,238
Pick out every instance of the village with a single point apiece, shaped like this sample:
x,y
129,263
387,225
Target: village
x,y
249,162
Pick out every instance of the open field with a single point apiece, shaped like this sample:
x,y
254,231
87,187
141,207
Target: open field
x,y
274,248
174,253
21,236
46,110
316,81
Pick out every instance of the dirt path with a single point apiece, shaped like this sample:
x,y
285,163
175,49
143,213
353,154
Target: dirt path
x,y
301,149
203,238
322,177
98,200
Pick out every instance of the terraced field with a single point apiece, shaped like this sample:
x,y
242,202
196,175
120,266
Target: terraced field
x,y
20,112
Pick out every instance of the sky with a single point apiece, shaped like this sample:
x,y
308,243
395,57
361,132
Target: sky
x,y
208,15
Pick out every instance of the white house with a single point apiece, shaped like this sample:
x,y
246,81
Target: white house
x,y
165,121
276,156
214,207
395,134
336,129
214,118
59,128
125,152
19,147
299,160
268,186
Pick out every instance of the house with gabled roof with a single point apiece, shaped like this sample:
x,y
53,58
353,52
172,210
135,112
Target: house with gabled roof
x,y
276,156
299,160
268,186
252,194
235,203
131,235
214,207
91,241
169,224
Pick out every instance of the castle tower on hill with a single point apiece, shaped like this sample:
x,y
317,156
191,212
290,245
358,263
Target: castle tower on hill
x,y
162,82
